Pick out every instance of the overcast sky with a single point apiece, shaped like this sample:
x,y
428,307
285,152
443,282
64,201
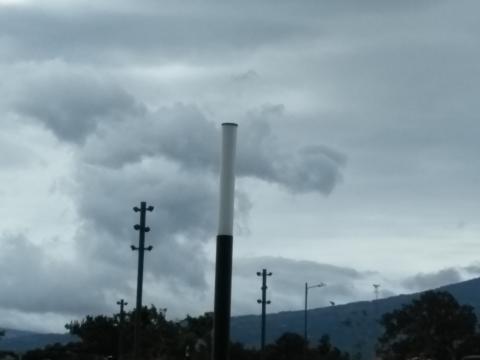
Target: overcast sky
x,y
358,147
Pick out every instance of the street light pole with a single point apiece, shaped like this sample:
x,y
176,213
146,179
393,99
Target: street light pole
x,y
264,303
142,229
305,329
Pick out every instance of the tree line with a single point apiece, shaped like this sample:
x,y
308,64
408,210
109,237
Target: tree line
x,y
168,340
433,326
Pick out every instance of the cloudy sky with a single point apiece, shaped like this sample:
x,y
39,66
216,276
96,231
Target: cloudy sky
x,y
358,149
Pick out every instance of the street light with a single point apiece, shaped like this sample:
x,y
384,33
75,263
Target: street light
x,y
305,331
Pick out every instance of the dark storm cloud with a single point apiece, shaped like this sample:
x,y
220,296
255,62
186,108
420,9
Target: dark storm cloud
x,y
423,281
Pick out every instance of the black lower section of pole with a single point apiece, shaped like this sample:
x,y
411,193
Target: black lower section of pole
x,y
223,291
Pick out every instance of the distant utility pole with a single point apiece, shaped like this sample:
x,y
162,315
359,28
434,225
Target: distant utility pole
x,y
264,303
375,290
122,304
142,229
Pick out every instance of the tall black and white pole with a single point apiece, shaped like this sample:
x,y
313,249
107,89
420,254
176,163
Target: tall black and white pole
x,y
223,265
264,303
142,229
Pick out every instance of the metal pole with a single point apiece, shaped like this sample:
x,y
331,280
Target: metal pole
x,y
305,330
305,334
142,229
264,303
223,265
122,304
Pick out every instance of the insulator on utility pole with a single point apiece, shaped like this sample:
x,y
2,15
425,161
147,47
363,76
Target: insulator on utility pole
x,y
142,229
264,303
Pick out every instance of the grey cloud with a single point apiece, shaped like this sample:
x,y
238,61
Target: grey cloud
x,y
183,134
304,168
34,282
164,29
14,154
168,157
180,133
70,102
314,168
183,220
127,153
249,75
473,269
424,281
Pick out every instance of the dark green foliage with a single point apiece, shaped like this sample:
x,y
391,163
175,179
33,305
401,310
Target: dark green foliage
x,y
8,355
168,340
292,346
326,351
73,351
289,346
433,326
99,334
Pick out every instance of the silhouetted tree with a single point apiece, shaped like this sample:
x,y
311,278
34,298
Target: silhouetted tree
x,y
433,326
326,351
99,334
168,340
289,346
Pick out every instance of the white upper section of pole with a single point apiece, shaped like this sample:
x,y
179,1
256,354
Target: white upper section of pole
x,y
227,179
